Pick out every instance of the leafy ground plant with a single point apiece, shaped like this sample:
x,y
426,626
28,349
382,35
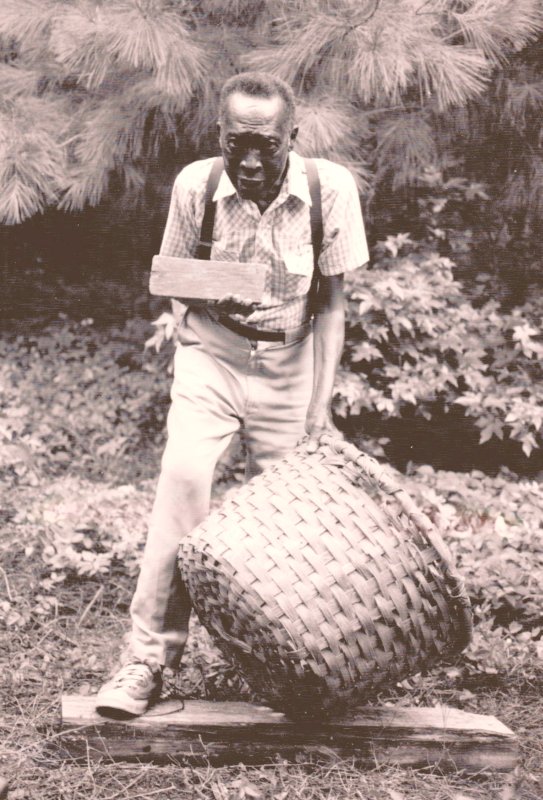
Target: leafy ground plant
x,y
417,342
72,531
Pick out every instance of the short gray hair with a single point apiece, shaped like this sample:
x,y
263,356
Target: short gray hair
x,y
258,84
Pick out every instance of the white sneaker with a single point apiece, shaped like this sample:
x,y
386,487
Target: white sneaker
x,y
131,691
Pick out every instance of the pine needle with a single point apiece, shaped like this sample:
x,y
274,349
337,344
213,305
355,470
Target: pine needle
x,y
329,127
451,74
32,159
521,100
16,81
146,36
493,26
27,21
375,54
91,40
111,135
76,44
328,124
405,147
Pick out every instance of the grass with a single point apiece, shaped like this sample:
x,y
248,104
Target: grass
x,y
72,647
60,632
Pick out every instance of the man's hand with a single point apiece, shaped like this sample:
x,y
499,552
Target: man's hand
x,y
234,304
317,422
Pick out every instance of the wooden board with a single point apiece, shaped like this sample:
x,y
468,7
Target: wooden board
x,y
191,278
229,732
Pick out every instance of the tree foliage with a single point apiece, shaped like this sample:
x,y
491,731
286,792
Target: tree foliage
x,y
93,90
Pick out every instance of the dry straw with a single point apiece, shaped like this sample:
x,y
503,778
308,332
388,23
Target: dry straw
x,y
322,581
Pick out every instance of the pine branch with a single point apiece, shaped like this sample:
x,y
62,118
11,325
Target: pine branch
x,y
32,159
522,100
232,12
495,26
391,52
303,47
76,43
116,133
110,133
405,147
227,47
27,21
16,81
144,35
90,41
452,74
328,125
328,128
86,188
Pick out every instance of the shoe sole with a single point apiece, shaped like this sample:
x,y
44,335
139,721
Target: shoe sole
x,y
109,704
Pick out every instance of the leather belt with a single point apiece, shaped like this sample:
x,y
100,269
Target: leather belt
x,y
260,335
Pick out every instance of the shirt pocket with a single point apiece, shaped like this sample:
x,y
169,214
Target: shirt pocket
x,y
299,260
225,250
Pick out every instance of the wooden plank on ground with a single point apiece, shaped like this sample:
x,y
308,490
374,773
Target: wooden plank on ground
x,y
192,278
231,732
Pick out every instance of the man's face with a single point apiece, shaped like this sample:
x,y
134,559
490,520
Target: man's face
x,y
255,139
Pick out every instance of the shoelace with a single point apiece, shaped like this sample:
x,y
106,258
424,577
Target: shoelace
x,y
133,674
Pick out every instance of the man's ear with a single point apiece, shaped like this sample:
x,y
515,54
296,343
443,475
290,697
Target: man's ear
x,y
219,129
293,135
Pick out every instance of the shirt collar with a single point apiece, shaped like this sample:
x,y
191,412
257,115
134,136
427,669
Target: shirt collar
x,y
297,179
296,182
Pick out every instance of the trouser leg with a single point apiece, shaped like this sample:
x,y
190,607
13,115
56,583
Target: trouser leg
x,y
203,417
279,390
216,384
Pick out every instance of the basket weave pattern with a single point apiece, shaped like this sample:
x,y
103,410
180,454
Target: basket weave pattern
x,y
322,581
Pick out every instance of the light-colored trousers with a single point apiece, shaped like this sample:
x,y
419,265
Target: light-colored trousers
x,y
221,381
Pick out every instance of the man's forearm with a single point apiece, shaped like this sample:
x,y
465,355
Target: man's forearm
x,y
328,333
328,338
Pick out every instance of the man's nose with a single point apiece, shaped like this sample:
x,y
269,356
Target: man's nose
x,y
251,161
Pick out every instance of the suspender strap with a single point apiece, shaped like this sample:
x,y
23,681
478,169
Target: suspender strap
x,y
206,232
203,251
317,233
315,210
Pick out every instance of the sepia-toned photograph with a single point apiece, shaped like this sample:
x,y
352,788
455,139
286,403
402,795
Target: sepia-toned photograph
x,y
271,399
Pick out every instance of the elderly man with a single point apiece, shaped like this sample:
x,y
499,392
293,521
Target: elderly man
x,y
268,366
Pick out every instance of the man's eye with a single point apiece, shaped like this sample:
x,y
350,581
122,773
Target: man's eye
x,y
265,148
233,147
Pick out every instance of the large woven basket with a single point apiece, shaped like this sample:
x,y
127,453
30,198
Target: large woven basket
x,y
322,581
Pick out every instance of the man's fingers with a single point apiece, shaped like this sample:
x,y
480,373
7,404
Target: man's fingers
x,y
228,298
315,435
312,445
237,303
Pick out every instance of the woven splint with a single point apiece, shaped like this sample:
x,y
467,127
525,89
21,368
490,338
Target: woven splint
x,y
322,581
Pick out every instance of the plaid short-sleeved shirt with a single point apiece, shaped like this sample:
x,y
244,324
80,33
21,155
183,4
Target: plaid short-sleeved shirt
x,y
280,237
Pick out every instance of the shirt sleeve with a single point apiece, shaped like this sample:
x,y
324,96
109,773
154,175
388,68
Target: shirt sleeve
x,y
181,232
344,246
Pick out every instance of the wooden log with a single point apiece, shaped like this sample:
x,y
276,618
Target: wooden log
x,y
192,278
229,732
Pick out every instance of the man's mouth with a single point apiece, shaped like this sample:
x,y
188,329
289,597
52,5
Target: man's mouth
x,y
250,184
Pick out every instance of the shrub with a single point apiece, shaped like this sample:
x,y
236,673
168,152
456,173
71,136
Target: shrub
x,y
415,342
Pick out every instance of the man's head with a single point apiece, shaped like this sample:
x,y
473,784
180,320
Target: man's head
x,y
256,131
